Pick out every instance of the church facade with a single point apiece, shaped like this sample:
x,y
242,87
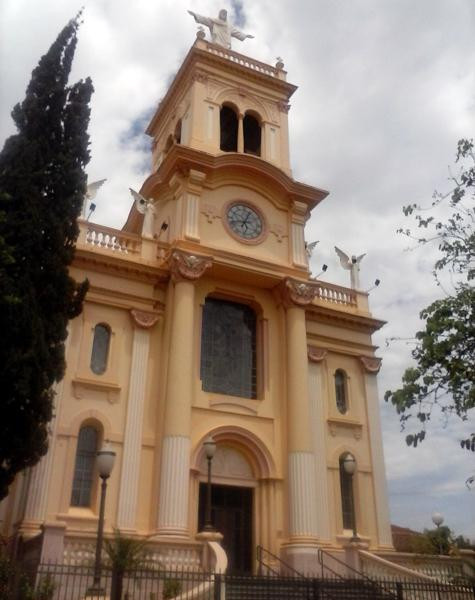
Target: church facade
x,y
202,319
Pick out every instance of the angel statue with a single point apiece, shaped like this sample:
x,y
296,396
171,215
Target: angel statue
x,y
221,31
146,208
91,193
352,265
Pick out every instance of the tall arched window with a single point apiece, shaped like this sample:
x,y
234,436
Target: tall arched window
x,y
229,129
347,498
228,349
340,391
100,348
252,135
84,466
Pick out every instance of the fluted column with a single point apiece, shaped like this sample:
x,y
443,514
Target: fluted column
x,y
175,463
371,366
318,419
129,478
301,459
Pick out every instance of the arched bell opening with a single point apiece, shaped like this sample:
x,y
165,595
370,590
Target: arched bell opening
x,y
252,135
229,123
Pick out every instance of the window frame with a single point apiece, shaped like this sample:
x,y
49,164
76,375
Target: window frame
x,y
256,368
105,362
78,471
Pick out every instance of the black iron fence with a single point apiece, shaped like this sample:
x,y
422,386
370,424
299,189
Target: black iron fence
x,y
65,582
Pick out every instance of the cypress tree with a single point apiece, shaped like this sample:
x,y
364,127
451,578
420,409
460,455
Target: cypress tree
x,y
42,185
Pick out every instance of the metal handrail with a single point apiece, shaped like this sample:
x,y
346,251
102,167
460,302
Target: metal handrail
x,y
322,553
261,562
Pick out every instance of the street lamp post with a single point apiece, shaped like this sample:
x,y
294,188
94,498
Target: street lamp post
x,y
438,519
210,448
105,463
349,465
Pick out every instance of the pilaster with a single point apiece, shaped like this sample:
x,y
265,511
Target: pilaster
x,y
371,366
318,418
129,481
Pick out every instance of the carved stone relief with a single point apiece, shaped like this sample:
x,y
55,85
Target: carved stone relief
x,y
316,354
210,212
371,364
188,266
279,231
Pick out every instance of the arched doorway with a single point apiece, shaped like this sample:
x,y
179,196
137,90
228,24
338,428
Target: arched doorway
x,y
232,504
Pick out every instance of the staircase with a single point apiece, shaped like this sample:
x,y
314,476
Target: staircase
x,y
296,588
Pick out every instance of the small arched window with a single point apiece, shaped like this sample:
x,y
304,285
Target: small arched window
x,y
100,348
340,391
229,129
347,497
84,466
178,132
252,135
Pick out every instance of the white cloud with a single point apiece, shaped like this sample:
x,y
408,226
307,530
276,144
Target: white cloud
x,y
386,89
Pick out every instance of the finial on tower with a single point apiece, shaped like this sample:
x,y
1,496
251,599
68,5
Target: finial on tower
x,y
221,31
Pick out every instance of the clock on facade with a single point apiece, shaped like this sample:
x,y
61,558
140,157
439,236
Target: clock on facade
x,y
244,221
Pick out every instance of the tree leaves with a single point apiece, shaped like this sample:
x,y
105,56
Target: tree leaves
x,y
42,185
444,375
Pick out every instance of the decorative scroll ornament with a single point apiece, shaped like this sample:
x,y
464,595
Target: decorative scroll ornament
x,y
188,266
371,364
316,354
143,319
298,292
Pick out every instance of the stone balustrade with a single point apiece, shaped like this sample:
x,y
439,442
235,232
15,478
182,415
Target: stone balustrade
x,y
245,61
336,294
109,239
411,567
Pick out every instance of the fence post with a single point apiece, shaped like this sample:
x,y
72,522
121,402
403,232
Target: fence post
x,y
217,586
316,588
399,591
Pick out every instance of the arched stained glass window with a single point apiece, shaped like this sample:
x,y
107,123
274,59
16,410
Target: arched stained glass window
x,y
84,466
347,499
340,391
100,348
228,349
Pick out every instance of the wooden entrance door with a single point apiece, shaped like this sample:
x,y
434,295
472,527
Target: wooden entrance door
x,y
231,511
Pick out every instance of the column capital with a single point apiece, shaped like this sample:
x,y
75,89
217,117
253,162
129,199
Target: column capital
x,y
371,364
185,266
316,355
143,319
293,292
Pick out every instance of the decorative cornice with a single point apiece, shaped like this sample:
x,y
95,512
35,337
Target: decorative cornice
x,y
371,364
145,320
188,266
316,354
296,293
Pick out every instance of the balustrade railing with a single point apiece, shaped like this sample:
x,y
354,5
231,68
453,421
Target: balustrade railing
x,y
106,238
335,294
239,59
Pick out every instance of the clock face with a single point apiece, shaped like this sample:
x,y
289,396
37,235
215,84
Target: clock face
x,y
244,221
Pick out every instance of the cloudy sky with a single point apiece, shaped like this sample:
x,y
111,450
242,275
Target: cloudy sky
x,y
386,88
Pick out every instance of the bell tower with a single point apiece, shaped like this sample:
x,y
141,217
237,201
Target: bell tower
x,y
221,177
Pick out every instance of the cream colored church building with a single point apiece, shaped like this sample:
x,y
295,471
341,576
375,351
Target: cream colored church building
x,y
203,319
